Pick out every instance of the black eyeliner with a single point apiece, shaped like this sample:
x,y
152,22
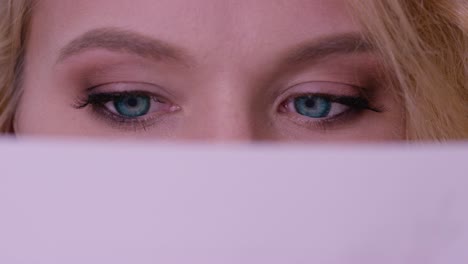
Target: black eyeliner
x,y
102,98
355,102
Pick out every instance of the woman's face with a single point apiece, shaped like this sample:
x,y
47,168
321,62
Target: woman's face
x,y
205,69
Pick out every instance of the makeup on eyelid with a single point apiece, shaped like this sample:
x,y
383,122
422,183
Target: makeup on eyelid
x,y
324,105
342,100
96,68
107,81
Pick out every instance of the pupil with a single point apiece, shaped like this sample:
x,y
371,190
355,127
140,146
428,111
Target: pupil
x,y
310,103
132,102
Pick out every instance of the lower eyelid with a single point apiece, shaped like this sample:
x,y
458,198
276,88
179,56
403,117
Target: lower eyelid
x,y
123,123
323,124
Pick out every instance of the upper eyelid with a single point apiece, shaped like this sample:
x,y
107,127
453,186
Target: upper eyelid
x,y
158,92
300,88
114,95
332,98
143,87
327,83
123,84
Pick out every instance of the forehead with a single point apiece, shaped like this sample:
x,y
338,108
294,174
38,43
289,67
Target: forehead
x,y
197,21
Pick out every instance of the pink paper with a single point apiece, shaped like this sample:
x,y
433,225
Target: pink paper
x,y
83,202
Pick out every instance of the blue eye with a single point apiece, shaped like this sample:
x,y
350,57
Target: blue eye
x,y
312,106
131,106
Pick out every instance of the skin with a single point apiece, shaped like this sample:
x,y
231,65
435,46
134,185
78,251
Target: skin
x,y
233,66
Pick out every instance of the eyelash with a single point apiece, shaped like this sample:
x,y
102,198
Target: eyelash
x,y
98,103
357,104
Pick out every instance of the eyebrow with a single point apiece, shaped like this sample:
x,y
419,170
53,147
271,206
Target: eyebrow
x,y
119,40
342,44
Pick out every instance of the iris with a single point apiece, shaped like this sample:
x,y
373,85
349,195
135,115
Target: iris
x,y
313,106
132,105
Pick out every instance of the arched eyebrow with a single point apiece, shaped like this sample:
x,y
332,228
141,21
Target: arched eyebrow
x,y
118,40
340,44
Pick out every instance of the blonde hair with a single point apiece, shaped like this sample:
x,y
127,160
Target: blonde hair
x,y
14,22
423,43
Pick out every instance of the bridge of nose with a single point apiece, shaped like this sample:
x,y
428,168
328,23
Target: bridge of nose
x,y
228,111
